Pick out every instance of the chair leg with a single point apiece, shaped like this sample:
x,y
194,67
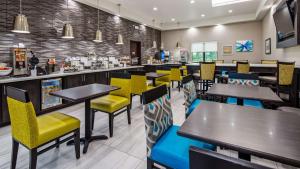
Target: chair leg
x,y
57,142
131,95
179,86
149,164
77,143
169,92
172,84
33,158
111,125
141,99
128,115
14,154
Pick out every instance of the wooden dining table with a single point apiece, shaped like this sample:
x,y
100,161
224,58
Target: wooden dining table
x,y
269,134
86,93
153,76
244,92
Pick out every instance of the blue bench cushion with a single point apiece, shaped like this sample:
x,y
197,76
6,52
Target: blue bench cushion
x,y
193,106
172,150
247,102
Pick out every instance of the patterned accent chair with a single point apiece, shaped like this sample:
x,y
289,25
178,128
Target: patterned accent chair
x,y
242,67
139,83
269,62
35,133
283,80
190,95
248,80
117,102
164,146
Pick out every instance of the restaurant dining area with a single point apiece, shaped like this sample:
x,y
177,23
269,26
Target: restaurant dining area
x,y
149,84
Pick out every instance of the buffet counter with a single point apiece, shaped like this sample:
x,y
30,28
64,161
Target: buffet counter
x,y
39,88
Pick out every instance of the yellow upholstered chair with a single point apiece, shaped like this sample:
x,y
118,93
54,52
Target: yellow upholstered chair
x,y
269,62
242,67
165,80
34,132
235,61
116,102
207,75
219,61
185,71
176,76
139,83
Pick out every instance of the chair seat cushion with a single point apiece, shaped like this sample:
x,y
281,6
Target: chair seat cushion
x,y
247,102
55,125
193,106
271,79
109,103
172,150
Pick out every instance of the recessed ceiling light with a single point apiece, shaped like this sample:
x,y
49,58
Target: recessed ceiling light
x,y
230,11
173,19
216,3
202,15
155,8
192,1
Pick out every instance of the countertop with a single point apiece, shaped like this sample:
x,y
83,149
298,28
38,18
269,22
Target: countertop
x,y
55,75
225,64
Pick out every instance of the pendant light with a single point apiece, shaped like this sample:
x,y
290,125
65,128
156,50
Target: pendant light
x,y
98,38
178,45
120,37
68,29
21,23
154,41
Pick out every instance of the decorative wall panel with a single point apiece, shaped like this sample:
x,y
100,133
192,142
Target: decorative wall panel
x,y
46,19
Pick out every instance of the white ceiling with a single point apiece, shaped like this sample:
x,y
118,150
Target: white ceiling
x,y
187,14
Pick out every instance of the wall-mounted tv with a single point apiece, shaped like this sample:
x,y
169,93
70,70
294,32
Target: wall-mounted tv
x,y
284,19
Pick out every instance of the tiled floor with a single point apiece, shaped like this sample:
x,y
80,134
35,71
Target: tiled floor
x,y
126,150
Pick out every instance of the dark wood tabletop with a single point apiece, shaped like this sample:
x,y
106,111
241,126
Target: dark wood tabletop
x,y
84,92
244,92
153,75
266,133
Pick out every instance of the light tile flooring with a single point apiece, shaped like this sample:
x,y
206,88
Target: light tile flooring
x,y
126,150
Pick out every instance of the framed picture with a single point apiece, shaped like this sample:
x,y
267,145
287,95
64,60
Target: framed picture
x,y
227,50
244,46
268,46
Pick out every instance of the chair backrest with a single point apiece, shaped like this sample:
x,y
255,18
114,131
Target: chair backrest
x,y
138,82
123,81
189,91
175,73
207,159
207,70
269,61
22,116
243,79
185,71
164,70
285,73
219,61
157,113
235,61
242,67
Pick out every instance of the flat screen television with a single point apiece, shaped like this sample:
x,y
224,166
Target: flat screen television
x,y
284,19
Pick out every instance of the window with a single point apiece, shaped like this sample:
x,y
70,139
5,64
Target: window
x,y
204,51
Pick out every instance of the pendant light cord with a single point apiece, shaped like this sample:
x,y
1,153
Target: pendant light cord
x,y
20,6
67,11
119,18
98,13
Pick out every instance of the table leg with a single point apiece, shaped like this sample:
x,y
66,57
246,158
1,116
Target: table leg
x,y
240,102
88,132
153,82
244,156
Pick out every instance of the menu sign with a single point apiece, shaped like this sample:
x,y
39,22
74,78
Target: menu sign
x,y
20,61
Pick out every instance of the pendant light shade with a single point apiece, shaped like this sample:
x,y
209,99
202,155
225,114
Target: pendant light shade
x,y
178,45
21,23
120,37
68,31
162,46
154,44
120,40
98,38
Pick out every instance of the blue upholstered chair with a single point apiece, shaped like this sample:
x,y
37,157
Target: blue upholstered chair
x,y
164,146
190,95
244,79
